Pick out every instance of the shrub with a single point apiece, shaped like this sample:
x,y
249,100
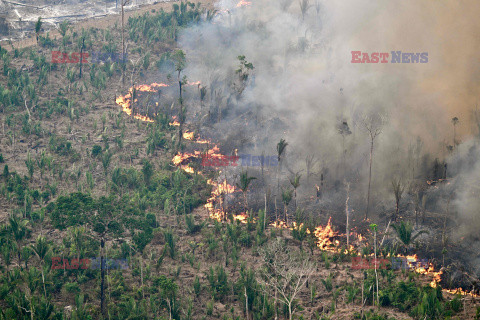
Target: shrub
x,y
191,226
72,287
170,243
219,285
96,150
196,286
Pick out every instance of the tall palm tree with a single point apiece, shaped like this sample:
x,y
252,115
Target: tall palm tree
x,y
41,248
295,182
6,247
286,198
18,230
106,160
77,235
398,189
404,231
38,27
281,146
244,184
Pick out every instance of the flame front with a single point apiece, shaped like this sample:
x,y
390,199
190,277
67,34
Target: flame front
x,y
325,236
126,101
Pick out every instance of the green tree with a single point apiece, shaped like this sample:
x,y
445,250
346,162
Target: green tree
x,y
38,27
41,248
286,198
106,160
18,230
168,291
30,163
398,189
147,170
243,185
404,232
295,182
281,147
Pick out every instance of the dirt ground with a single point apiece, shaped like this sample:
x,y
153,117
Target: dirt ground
x,y
103,22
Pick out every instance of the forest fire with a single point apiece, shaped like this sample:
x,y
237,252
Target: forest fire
x,y
188,135
219,190
325,236
174,122
126,101
412,262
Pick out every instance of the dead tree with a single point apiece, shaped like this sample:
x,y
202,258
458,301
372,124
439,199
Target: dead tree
x,y
284,273
347,227
373,125
398,187
123,4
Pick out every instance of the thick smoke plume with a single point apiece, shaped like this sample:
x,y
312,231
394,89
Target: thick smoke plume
x,y
304,87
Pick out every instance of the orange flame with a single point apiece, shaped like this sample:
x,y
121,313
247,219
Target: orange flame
x,y
126,101
188,135
325,235
174,122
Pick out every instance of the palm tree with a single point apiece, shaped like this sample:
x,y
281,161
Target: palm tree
x,y
398,189
38,27
286,198
6,248
344,131
404,232
18,229
80,311
77,236
41,249
281,146
244,184
106,159
295,182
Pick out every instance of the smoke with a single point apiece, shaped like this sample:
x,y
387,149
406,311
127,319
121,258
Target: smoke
x,y
304,86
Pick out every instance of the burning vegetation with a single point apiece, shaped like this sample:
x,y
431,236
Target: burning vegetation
x,y
245,171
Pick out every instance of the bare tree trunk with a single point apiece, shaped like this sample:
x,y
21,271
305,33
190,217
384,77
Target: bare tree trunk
x,y
275,304
123,3
265,214
346,213
386,230
81,57
102,290
141,274
246,302
276,212
376,275
369,179
295,193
